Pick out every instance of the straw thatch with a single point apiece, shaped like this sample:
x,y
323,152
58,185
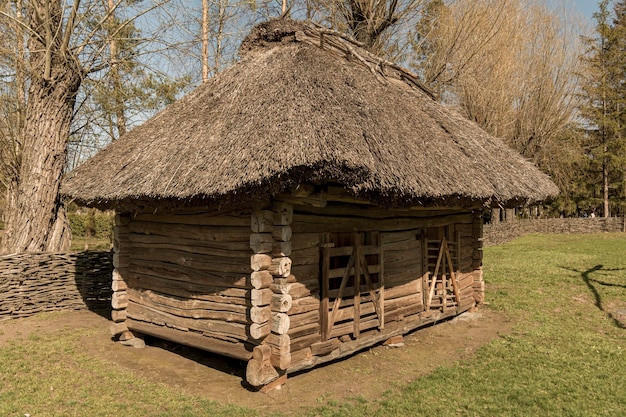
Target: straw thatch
x,y
305,104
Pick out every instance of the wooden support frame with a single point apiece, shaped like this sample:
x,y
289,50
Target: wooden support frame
x,y
358,270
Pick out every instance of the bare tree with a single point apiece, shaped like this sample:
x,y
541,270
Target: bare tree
x,y
380,25
66,43
509,65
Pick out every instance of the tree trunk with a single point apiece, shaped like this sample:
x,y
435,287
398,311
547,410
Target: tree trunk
x,y
36,219
205,40
605,187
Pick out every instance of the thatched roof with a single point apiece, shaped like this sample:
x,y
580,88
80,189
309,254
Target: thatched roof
x,y
293,112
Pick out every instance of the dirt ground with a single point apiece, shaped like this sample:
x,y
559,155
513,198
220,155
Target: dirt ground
x,y
199,373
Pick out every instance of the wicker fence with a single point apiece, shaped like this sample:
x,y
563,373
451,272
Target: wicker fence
x,y
498,233
36,282
31,283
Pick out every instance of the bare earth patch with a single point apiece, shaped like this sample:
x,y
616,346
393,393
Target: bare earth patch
x,y
365,375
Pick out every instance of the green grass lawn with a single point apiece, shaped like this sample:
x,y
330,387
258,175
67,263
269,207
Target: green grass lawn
x,y
566,355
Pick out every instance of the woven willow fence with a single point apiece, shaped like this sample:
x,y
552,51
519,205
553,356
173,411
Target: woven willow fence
x,y
498,233
31,283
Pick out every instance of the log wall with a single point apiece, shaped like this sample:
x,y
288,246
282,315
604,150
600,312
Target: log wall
x,y
403,234
186,277
32,283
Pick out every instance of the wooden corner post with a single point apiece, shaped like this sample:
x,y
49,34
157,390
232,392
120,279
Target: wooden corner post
x,y
270,242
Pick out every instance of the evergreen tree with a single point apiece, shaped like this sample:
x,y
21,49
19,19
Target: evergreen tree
x,y
604,107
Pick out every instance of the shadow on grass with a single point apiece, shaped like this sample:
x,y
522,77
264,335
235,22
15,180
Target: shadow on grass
x,y
593,283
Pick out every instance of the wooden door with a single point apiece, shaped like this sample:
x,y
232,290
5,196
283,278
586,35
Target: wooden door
x,y
352,287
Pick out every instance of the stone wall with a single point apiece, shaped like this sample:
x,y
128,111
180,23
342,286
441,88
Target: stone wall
x,y
498,233
31,283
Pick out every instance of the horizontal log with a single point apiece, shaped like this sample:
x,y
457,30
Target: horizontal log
x,y
280,267
410,288
304,342
328,224
306,272
216,248
261,297
261,353
301,241
260,314
194,309
305,330
261,242
368,339
260,373
466,304
299,289
262,221
401,311
283,213
282,233
281,361
175,272
279,342
366,323
307,256
118,315
147,314
197,261
119,300
237,350
189,290
324,348
260,262
118,285
281,303
339,272
259,331
202,233
304,319
279,323
261,279
281,249
351,206
304,305
300,357
197,219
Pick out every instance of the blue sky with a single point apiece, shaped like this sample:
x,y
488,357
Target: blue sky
x,y
586,7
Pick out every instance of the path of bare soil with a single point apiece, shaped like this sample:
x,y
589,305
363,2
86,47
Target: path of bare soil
x,y
217,378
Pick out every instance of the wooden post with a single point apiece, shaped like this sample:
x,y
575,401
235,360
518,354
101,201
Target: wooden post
x,y
358,253
325,283
119,298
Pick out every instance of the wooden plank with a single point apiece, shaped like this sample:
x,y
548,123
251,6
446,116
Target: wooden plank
x,y
304,305
342,288
151,315
194,260
175,272
190,308
198,219
235,350
305,329
157,299
358,254
320,224
324,302
324,348
188,290
382,291
202,233
217,248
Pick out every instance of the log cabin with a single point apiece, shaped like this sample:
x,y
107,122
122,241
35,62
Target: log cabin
x,y
308,202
